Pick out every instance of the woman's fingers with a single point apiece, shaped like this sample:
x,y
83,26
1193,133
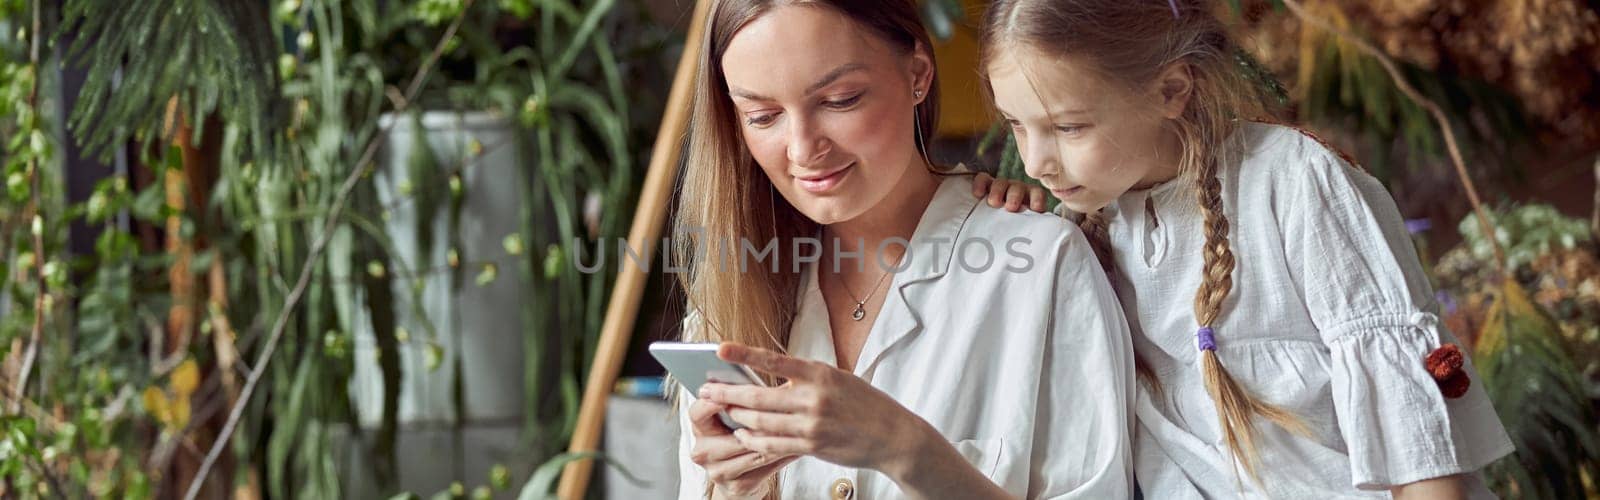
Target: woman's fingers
x,y
774,423
753,481
713,449
772,444
761,472
767,399
737,467
766,361
703,418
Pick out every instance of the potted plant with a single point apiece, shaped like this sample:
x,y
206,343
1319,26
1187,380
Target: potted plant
x,y
248,206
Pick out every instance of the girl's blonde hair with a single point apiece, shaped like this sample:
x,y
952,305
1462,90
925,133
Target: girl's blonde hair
x,y
1131,43
726,200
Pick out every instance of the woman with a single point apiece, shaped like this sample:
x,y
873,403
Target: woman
x,y
966,374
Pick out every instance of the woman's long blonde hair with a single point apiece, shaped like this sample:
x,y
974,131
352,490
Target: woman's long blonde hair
x,y
726,200
1131,42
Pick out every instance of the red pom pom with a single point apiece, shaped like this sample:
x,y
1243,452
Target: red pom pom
x,y
1456,386
1444,362
1444,365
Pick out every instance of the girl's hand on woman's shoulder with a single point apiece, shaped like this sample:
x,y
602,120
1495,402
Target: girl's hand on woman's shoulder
x,y
1009,194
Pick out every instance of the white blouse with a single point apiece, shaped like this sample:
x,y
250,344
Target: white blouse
x,y
1330,318
1029,374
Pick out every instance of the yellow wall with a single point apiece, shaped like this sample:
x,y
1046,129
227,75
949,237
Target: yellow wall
x,y
964,111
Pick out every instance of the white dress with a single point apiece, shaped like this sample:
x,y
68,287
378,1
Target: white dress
x,y
1330,318
1028,373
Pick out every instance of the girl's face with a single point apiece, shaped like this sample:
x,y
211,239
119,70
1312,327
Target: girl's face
x,y
825,108
1085,138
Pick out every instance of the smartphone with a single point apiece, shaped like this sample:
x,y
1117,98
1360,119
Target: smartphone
x,y
693,364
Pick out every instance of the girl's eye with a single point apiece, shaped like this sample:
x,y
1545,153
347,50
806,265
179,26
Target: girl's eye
x,y
1069,129
843,103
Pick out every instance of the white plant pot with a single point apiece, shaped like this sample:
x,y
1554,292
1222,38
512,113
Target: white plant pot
x,y
478,326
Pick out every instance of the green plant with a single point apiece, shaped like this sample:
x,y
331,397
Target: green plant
x,y
211,56
281,249
1528,371
1526,232
941,17
1346,92
1535,344
57,446
1341,87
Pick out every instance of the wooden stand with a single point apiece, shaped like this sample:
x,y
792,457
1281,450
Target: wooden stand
x,y
648,220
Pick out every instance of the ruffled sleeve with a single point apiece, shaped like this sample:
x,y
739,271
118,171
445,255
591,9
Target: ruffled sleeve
x,y
1366,291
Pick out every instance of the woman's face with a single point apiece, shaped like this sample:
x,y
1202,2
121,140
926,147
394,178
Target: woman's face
x,y
826,108
1086,140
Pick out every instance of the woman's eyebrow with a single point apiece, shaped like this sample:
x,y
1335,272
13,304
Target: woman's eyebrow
x,y
834,75
821,82
747,95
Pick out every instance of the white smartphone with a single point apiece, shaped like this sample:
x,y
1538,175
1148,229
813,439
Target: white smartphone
x,y
693,364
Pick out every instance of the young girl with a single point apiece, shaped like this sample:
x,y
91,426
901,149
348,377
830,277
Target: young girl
x,y
1281,318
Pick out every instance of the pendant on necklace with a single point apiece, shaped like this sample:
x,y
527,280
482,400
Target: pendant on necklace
x,y
860,312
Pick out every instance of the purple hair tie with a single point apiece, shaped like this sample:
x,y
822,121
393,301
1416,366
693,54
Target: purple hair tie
x,y
1174,5
1417,226
1207,340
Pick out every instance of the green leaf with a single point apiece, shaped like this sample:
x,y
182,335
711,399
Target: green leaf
x,y
38,145
591,21
937,15
487,275
433,356
148,204
17,187
539,485
554,261
499,477
512,244
202,51
521,9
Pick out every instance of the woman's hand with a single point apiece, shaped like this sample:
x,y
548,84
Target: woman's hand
x,y
831,414
1011,195
820,411
734,470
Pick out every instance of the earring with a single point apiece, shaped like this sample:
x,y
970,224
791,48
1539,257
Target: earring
x,y
917,93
